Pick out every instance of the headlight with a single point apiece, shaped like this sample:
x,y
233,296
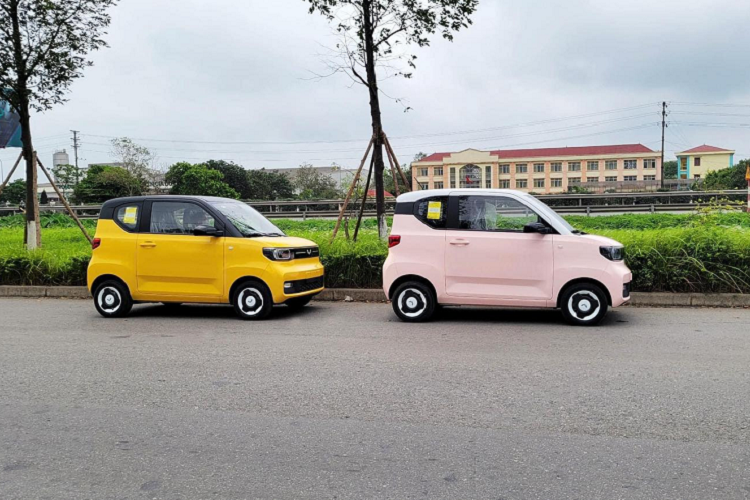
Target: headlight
x,y
613,253
279,253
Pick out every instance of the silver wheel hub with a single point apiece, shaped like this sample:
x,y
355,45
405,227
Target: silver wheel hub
x,y
250,301
412,302
584,305
109,299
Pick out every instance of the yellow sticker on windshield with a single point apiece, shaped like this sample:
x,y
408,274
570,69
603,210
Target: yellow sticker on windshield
x,y
434,208
130,215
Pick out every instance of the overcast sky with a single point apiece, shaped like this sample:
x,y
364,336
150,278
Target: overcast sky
x,y
205,72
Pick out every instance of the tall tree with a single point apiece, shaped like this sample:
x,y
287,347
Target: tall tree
x,y
136,159
311,184
43,48
186,178
234,175
374,33
266,185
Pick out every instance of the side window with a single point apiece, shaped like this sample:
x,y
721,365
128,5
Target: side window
x,y
178,217
432,211
128,216
493,213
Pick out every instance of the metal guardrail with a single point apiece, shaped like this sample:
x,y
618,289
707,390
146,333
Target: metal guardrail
x,y
582,203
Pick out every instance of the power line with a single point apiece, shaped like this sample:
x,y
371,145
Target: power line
x,y
708,104
414,145
527,124
333,158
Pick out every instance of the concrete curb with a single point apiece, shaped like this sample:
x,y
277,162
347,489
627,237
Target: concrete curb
x,y
642,299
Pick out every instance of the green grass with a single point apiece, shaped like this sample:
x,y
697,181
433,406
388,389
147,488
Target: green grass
x,y
677,253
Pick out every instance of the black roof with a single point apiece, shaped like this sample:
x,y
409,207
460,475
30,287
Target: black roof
x,y
163,197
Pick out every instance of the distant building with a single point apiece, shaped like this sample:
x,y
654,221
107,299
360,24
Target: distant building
x,y
542,170
696,162
60,158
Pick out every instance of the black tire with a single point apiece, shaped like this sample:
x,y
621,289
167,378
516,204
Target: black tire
x,y
252,300
414,302
298,303
112,299
584,304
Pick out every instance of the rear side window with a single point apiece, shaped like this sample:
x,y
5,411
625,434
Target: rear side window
x,y
178,217
128,216
432,211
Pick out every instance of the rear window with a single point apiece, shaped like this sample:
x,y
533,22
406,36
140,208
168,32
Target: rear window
x,y
127,217
432,211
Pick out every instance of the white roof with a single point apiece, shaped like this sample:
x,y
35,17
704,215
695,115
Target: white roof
x,y
426,193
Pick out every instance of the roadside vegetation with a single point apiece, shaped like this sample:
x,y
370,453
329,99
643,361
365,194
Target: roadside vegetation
x,y
703,252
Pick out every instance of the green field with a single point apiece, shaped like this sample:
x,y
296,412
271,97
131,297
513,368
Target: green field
x,y
678,253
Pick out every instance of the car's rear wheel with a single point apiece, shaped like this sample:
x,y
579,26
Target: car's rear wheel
x,y
112,299
252,300
414,301
583,304
298,303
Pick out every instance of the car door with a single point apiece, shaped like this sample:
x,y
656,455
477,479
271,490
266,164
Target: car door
x,y
172,261
489,256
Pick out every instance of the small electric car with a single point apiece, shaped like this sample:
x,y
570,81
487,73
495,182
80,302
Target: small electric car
x,y
497,247
176,249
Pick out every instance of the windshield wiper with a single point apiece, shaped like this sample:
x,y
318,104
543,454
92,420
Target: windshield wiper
x,y
576,231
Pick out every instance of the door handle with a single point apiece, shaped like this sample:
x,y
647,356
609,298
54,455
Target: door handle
x,y
148,244
459,242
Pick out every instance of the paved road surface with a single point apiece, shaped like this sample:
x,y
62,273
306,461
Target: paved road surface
x,y
342,401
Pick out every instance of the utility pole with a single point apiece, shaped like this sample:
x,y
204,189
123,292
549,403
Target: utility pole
x,y
663,127
76,145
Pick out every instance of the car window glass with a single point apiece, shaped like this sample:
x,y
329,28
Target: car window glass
x,y
493,213
128,216
432,211
177,217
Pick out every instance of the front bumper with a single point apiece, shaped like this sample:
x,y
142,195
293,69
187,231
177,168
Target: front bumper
x,y
297,287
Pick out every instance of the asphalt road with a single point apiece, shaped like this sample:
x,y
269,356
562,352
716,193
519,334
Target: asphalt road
x,y
343,401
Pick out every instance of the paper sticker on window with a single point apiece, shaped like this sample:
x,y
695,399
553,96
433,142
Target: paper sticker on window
x,y
130,215
433,209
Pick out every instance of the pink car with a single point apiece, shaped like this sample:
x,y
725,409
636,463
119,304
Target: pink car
x,y
497,247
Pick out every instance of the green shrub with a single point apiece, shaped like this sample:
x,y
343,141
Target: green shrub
x,y
672,253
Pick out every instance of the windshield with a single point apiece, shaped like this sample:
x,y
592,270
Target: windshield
x,y
549,215
246,219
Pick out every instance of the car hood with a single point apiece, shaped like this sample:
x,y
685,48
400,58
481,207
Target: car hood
x,y
285,242
602,241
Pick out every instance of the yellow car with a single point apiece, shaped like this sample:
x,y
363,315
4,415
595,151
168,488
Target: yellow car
x,y
176,249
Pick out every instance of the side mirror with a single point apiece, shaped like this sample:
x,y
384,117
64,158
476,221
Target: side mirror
x,y
536,227
203,230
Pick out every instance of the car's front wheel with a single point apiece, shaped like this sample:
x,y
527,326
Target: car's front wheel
x,y
414,301
584,304
252,300
112,299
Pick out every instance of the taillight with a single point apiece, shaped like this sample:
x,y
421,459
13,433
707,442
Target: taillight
x,y
393,240
95,244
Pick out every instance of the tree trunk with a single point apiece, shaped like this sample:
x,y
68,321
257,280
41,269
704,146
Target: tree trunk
x,y
377,125
32,230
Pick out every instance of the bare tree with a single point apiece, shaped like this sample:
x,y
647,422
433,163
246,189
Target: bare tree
x,y
138,161
374,34
43,49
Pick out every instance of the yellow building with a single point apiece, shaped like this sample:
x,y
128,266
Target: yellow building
x,y
695,163
541,170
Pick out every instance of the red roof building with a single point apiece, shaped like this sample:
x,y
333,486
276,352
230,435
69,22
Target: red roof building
x,y
539,170
697,162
